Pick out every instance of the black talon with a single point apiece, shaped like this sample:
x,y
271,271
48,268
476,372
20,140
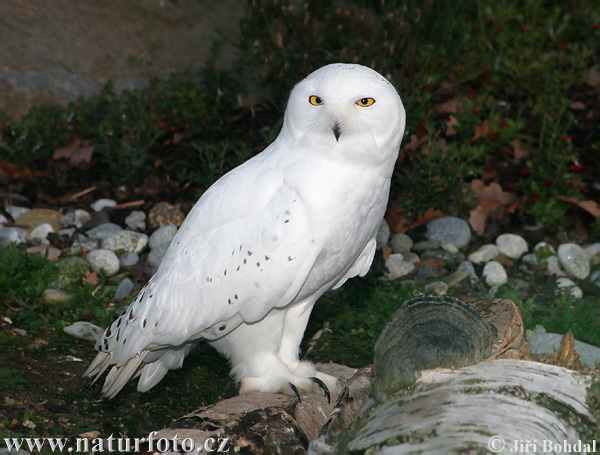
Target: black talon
x,y
295,390
323,386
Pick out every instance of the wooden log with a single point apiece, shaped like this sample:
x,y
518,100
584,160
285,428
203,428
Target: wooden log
x,y
266,423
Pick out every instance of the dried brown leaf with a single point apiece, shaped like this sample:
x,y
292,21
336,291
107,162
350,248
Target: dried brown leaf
x,y
589,206
520,151
387,251
477,220
481,131
90,277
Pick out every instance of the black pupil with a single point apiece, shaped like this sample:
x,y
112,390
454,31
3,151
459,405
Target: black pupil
x,y
318,100
365,101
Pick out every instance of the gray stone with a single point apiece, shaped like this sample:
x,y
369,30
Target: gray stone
x,y
568,286
450,248
484,254
103,231
124,289
530,259
427,275
126,241
383,234
595,278
426,245
162,235
156,255
83,244
136,220
41,232
10,235
401,243
494,274
128,259
100,204
511,245
449,229
104,261
397,266
67,231
469,269
574,259
592,250
541,342
84,330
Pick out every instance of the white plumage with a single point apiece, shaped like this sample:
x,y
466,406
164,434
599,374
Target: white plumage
x,y
267,240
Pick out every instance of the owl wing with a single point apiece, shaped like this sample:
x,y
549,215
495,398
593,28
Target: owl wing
x,y
243,250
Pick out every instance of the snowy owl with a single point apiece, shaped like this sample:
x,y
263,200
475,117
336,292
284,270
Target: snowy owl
x,y
266,241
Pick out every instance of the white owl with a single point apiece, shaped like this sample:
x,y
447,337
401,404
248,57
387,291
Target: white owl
x,y
267,240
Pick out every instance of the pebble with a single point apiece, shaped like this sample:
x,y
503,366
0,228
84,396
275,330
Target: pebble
x,y
41,232
540,342
157,254
84,330
103,231
10,235
49,252
411,257
494,274
449,229
426,245
427,275
104,261
162,235
34,217
566,285
67,231
511,245
83,244
164,213
544,249
97,219
595,278
530,259
126,241
593,250
438,287
484,254
124,289
136,220
401,243
454,278
77,218
444,256
383,234
101,204
468,268
16,211
397,266
56,296
574,259
450,248
128,259
552,266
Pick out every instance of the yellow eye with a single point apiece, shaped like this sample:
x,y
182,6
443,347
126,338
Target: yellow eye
x,y
315,100
365,102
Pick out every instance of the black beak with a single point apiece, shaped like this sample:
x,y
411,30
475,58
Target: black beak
x,y
337,131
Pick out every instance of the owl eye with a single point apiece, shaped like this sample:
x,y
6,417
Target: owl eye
x,y
365,102
315,100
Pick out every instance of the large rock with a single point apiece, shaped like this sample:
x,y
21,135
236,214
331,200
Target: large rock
x,y
55,52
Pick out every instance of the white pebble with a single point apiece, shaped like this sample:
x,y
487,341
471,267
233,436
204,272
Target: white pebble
x,y
565,285
136,220
104,261
511,245
397,266
494,273
484,254
162,235
102,203
574,259
41,232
